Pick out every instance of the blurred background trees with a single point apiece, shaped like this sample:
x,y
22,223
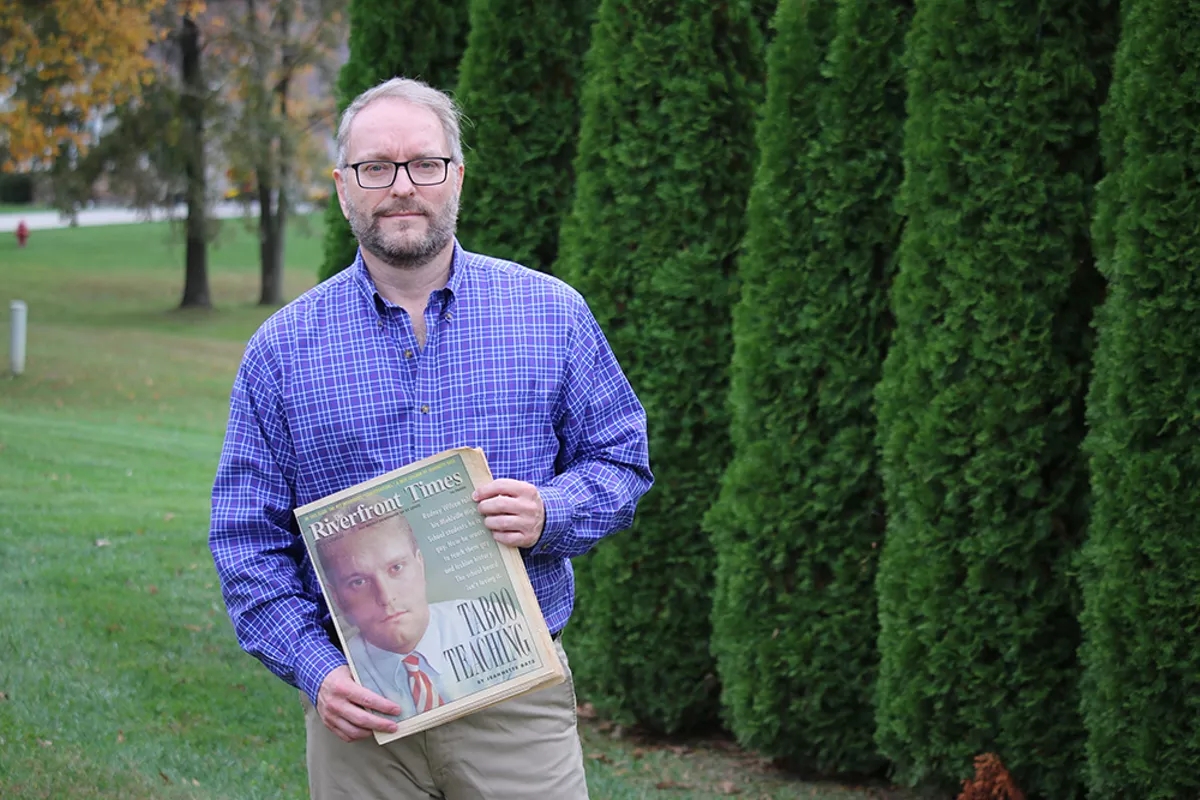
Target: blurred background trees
x,y
67,63
280,58
177,102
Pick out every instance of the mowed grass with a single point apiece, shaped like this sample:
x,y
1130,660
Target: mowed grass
x,y
119,673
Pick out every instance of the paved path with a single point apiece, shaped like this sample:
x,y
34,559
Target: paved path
x,y
41,220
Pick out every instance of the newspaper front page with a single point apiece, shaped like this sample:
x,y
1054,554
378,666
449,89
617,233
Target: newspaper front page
x,y
431,611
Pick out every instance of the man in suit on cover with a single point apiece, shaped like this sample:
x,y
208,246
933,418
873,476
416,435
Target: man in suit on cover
x,y
376,574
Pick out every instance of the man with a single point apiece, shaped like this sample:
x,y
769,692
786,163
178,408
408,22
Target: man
x,y
418,347
377,575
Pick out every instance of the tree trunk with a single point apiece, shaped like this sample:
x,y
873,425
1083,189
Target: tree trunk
x,y
195,288
273,182
271,220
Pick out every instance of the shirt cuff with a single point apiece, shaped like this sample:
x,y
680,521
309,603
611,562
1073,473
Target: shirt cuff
x,y
314,665
560,519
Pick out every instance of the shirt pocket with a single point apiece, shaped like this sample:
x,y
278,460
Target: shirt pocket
x,y
513,425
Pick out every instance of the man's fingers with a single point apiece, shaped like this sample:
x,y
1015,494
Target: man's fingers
x,y
351,722
358,707
341,686
361,696
502,504
359,717
507,522
347,733
512,511
346,707
524,508
336,722
513,538
503,486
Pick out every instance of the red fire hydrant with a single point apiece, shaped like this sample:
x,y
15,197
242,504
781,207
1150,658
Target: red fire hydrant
x,y
22,233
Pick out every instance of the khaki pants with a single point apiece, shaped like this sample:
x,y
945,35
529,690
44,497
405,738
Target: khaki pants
x,y
527,747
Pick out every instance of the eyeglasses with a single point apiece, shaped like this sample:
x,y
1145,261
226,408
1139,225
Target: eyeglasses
x,y
421,171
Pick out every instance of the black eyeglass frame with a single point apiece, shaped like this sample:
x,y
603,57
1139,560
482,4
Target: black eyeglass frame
x,y
446,162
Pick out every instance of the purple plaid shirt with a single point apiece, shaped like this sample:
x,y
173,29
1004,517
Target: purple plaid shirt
x,y
333,391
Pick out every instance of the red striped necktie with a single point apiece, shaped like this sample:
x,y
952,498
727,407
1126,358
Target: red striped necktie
x,y
425,697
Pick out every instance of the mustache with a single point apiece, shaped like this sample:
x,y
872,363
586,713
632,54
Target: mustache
x,y
401,208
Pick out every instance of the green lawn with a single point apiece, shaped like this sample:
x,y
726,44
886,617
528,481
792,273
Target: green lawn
x,y
21,208
119,673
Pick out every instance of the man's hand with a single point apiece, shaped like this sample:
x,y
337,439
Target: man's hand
x,y
512,510
344,706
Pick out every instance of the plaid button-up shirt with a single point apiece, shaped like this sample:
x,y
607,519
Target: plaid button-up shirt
x,y
333,390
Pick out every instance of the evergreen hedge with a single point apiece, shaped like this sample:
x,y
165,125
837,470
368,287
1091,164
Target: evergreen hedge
x,y
519,89
981,402
665,161
1142,574
764,12
390,38
798,527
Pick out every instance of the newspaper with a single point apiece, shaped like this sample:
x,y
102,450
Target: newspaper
x,y
431,611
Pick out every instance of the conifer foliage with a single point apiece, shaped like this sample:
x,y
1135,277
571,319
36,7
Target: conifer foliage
x,y
390,38
519,88
1142,574
981,402
665,160
799,523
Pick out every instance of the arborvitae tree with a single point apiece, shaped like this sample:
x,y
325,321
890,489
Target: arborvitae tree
x,y
390,38
519,88
764,12
665,161
981,403
1142,574
799,523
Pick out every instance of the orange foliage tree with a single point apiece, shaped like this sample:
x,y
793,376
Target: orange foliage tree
x,y
67,64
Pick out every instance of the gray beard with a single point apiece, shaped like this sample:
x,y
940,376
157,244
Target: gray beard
x,y
404,255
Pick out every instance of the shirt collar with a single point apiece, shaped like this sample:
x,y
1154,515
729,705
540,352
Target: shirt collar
x,y
459,267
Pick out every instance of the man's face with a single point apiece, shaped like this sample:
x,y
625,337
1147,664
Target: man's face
x,y
405,225
378,578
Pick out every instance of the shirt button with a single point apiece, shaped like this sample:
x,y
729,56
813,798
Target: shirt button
x,y
424,409
449,315
408,353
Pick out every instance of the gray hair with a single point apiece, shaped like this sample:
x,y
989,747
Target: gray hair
x,y
412,91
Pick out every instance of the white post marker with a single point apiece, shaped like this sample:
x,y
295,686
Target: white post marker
x,y
19,314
